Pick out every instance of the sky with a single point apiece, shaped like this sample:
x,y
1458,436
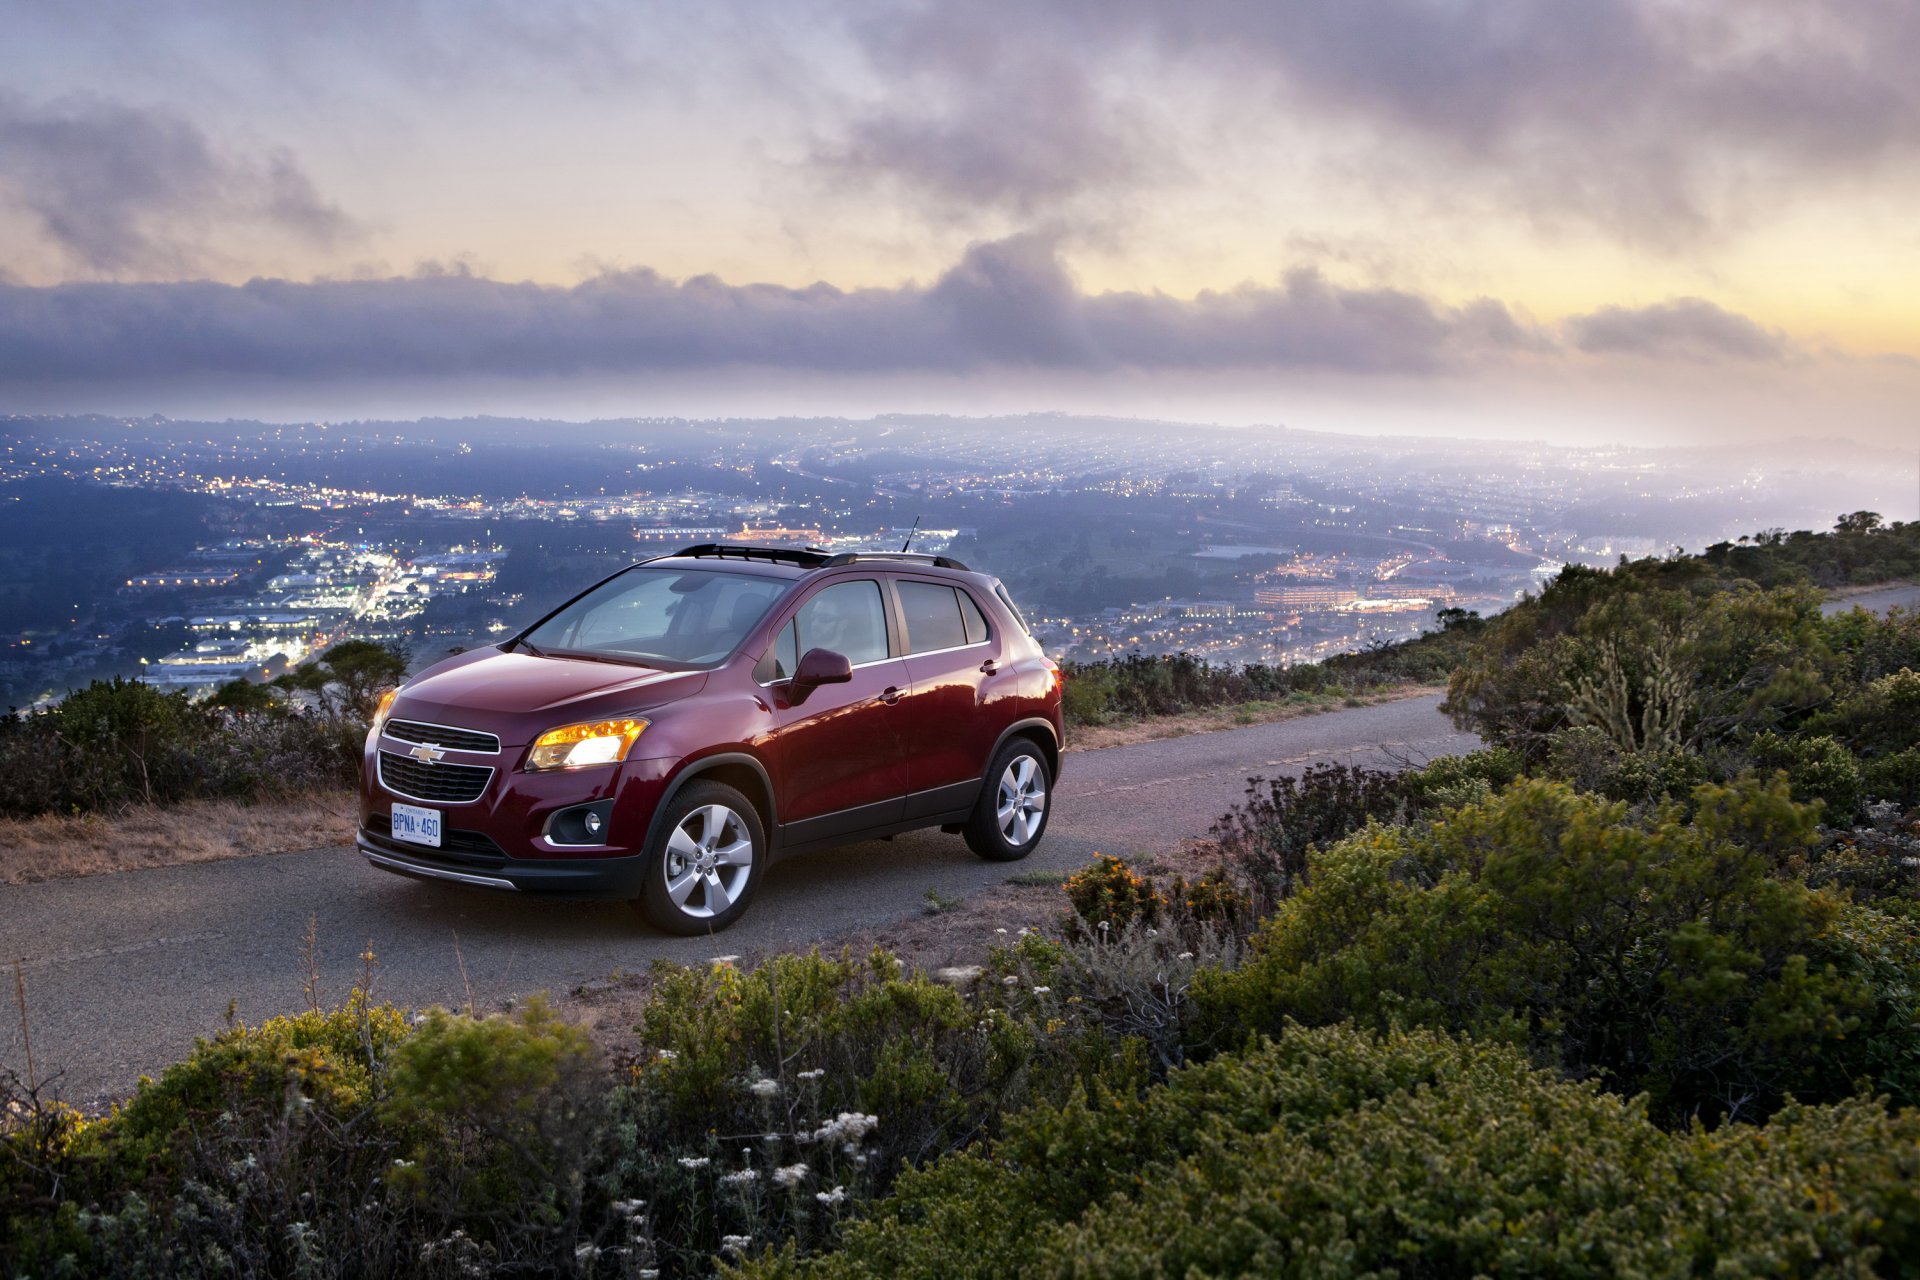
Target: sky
x,y
1641,220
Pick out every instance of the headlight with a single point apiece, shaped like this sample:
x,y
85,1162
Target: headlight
x,y
574,746
382,707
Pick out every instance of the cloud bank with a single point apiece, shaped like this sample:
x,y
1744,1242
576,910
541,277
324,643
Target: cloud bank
x,y
120,190
1007,305
1656,123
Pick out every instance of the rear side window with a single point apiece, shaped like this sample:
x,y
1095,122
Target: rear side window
x,y
1012,608
977,629
934,620
847,618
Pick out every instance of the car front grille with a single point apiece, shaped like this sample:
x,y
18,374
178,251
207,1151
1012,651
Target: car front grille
x,y
441,735
434,783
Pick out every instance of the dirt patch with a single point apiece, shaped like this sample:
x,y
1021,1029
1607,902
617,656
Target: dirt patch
x,y
1238,716
54,847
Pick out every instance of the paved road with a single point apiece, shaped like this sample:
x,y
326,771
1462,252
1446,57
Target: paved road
x,y
1904,596
123,971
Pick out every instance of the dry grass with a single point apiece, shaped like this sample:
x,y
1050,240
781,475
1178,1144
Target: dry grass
x,y
56,847
1123,733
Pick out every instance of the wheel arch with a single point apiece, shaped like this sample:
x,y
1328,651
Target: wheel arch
x,y
1037,730
737,769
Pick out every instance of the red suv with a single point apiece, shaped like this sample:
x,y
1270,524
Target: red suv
x,y
672,731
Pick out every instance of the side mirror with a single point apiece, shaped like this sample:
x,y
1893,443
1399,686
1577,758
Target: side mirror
x,y
818,667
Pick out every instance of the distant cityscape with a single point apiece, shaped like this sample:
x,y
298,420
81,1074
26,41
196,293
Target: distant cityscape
x,y
199,553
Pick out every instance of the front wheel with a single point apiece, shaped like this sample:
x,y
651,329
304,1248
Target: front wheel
x,y
1011,814
705,863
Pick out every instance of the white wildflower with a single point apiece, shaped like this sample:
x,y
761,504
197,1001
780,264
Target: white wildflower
x,y
586,1252
1184,955
834,1196
1010,980
790,1175
764,1088
735,1245
628,1208
1040,991
668,1055
814,1074
695,1162
744,1178
1000,931
1153,933
848,1126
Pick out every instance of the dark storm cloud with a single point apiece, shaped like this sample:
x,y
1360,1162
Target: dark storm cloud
x,y
1007,304
1683,328
1656,122
123,190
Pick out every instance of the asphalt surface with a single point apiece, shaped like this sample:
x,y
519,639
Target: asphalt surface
x,y
1905,596
123,971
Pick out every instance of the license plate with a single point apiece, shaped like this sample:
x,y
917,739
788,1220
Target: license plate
x,y
416,825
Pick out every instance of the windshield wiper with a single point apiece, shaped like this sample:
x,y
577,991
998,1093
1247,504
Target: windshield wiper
x,y
526,644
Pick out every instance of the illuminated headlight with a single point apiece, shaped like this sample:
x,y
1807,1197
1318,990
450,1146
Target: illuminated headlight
x,y
382,707
575,746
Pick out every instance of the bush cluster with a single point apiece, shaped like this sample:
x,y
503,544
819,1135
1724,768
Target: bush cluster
x,y
1643,682
1342,1152
1666,951
119,742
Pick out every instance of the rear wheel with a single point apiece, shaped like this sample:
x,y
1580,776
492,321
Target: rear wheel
x,y
1011,814
706,861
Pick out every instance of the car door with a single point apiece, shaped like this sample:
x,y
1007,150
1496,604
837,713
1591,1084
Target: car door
x,y
838,754
953,658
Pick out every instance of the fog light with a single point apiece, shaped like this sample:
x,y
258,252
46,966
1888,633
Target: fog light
x,y
593,823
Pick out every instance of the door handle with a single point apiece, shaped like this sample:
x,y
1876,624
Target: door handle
x,y
890,695
990,666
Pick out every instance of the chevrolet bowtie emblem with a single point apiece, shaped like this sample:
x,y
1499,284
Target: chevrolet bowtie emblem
x,y
428,752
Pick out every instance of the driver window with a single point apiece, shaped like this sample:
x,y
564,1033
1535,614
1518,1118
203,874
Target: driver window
x,y
847,618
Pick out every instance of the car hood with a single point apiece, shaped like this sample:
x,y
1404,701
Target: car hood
x,y
519,696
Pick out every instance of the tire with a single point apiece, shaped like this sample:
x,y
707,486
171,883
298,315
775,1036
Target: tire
x,y
712,826
1015,800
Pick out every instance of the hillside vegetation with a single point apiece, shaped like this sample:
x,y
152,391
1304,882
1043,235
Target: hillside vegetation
x,y
1633,991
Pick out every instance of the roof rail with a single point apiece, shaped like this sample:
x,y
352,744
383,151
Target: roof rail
x,y
807,558
915,557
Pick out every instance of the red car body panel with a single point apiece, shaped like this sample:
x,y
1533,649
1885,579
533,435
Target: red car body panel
x,y
904,743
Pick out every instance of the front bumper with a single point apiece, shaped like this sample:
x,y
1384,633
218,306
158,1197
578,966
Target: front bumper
x,y
606,877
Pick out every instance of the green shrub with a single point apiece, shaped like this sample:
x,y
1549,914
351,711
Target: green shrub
x,y
1895,777
1448,781
503,1114
1818,768
1880,718
1338,1152
1660,952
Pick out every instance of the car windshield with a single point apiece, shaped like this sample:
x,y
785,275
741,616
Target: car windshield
x,y
674,618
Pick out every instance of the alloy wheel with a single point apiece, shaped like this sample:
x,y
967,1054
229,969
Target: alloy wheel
x,y
709,860
1022,800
